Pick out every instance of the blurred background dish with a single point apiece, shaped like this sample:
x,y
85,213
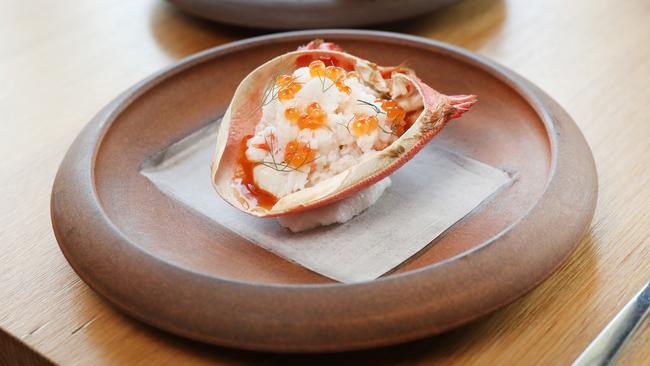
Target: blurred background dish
x,y
299,14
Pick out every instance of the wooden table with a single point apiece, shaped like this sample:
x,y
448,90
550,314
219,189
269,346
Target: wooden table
x,y
60,62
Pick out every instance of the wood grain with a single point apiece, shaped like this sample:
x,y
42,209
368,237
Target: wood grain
x,y
61,62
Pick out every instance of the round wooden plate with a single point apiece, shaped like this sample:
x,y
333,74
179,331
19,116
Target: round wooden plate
x,y
170,267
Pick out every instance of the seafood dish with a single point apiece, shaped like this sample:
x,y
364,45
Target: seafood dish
x,y
317,126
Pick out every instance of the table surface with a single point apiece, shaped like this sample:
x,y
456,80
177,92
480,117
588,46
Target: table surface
x,y
60,62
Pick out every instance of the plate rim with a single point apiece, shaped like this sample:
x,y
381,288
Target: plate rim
x,y
550,113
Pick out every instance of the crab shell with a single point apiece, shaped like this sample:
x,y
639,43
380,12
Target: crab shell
x,y
245,112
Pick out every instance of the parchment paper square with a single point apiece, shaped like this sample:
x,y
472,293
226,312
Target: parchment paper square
x,y
429,194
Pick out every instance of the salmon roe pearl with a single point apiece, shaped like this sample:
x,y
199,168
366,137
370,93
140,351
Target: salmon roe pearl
x,y
312,123
373,122
334,73
307,123
317,117
386,104
359,126
297,154
313,106
395,114
316,113
295,87
285,94
283,80
290,149
317,68
343,88
363,125
292,114
304,122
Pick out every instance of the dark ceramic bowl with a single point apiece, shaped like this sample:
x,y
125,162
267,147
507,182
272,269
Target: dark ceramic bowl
x,y
297,14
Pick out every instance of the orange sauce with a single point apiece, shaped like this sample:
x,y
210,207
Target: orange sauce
x,y
254,194
329,60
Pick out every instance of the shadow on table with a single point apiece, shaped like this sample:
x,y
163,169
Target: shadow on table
x,y
468,23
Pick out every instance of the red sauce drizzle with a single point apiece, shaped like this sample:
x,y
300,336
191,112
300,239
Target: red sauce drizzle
x,y
254,194
329,60
304,60
386,74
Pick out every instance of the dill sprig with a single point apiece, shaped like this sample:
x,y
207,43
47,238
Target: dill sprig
x,y
392,131
347,125
284,166
374,107
323,81
271,91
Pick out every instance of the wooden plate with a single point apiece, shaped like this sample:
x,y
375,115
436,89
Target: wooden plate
x,y
301,14
168,266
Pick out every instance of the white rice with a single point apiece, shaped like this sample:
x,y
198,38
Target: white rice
x,y
337,212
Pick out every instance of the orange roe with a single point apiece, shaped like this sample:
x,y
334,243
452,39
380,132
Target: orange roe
x,y
334,73
386,103
317,114
373,122
317,68
313,106
311,123
297,154
292,114
363,125
285,94
283,80
394,114
314,117
343,88
359,126
295,87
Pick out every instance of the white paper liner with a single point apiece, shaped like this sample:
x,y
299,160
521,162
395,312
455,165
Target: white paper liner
x,y
429,194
